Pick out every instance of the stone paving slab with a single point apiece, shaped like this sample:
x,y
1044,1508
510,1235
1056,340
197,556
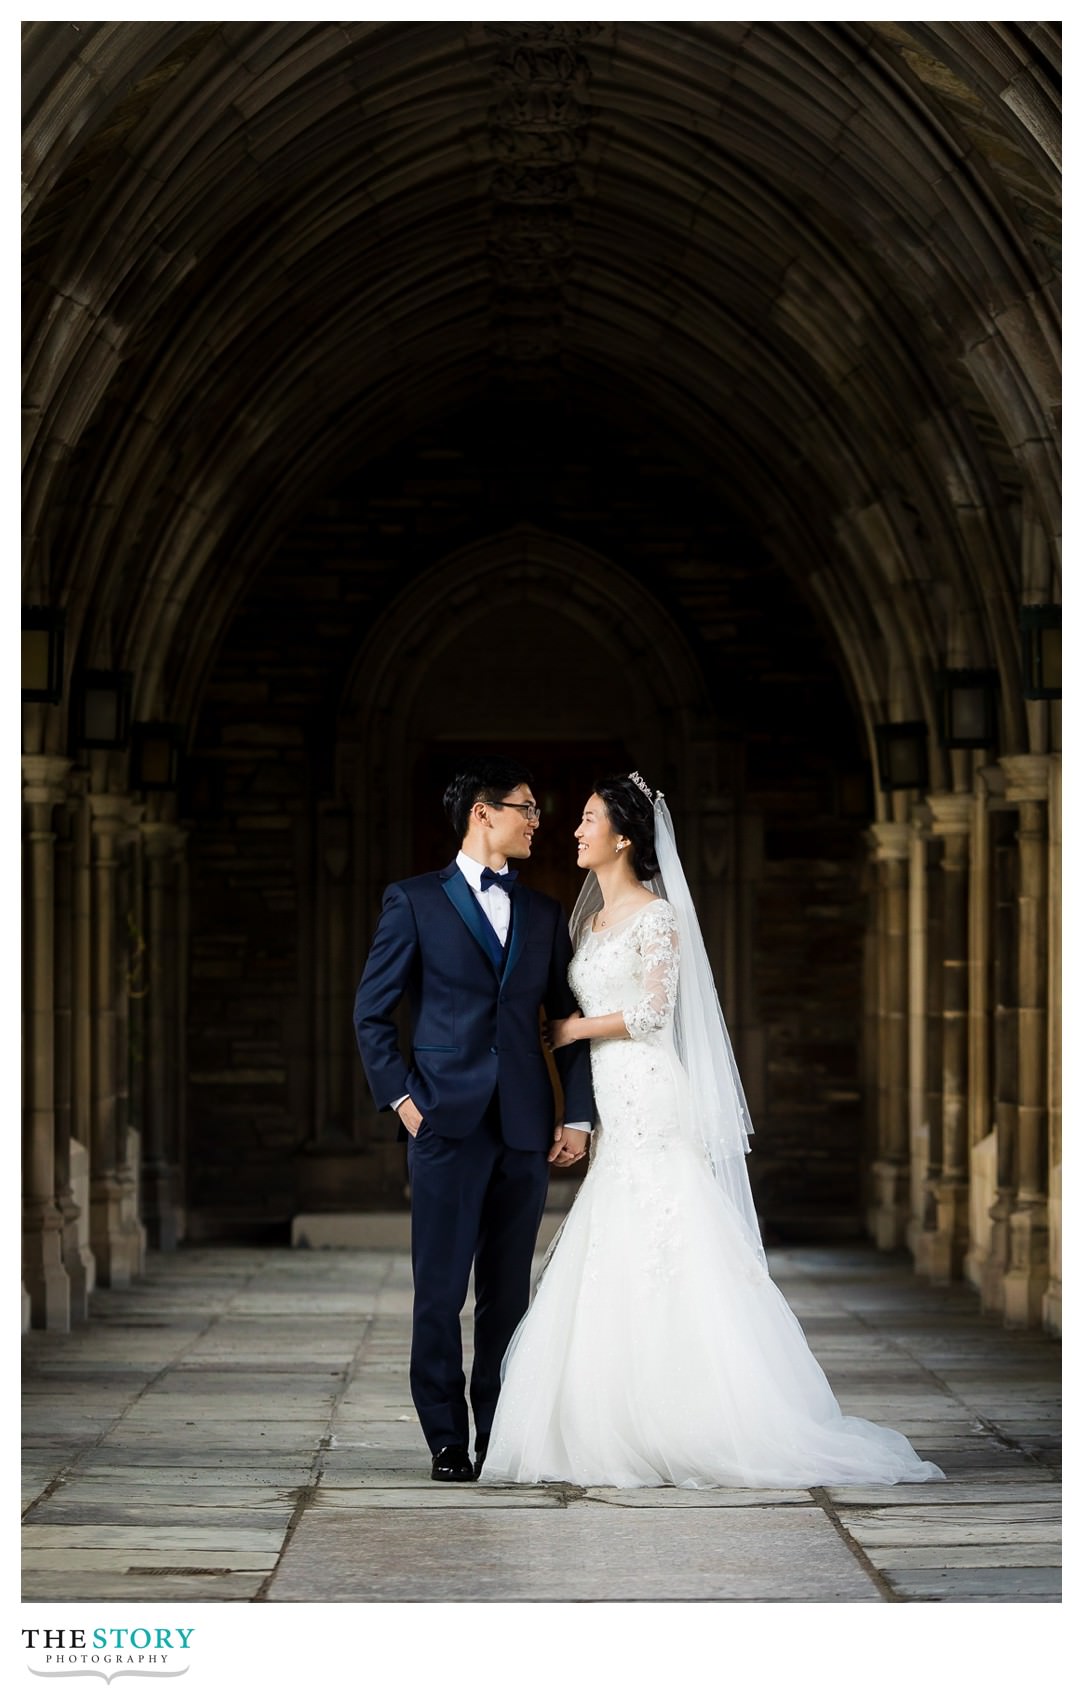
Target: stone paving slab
x,y
585,1552
1023,1555
400,1498
120,1560
994,1490
40,1540
1002,1585
95,1514
929,1525
86,1586
258,1399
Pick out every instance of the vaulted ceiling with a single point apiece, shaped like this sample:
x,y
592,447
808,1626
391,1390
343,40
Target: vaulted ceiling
x,y
824,257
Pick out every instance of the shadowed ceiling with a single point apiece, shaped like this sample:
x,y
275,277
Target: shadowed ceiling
x,y
821,258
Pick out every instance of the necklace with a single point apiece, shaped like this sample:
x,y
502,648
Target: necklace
x,y
599,920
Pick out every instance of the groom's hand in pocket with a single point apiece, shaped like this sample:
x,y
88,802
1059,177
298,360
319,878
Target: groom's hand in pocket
x,y
410,1116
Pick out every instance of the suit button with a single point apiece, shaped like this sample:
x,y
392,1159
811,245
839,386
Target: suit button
x,y
493,1050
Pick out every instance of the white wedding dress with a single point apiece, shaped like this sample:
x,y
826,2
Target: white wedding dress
x,y
657,1349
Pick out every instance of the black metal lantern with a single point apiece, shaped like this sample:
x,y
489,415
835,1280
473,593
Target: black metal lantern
x,y
43,654
1040,624
102,710
966,699
156,746
902,755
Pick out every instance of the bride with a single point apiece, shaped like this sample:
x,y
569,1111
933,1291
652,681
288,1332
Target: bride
x,y
657,1348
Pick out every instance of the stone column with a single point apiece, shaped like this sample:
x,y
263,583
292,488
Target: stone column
x,y
1005,864
890,1207
44,1275
918,1031
70,1154
130,1004
79,1240
160,1167
184,922
180,985
944,1240
981,1138
1027,783
1051,1303
110,1179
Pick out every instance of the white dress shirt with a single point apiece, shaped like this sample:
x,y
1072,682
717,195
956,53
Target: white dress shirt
x,y
495,902
497,907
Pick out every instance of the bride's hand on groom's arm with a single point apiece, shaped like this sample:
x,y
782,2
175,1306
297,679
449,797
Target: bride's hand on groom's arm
x,y
561,1033
574,1029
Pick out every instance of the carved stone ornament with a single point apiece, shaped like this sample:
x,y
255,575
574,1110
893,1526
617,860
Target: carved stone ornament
x,y
538,133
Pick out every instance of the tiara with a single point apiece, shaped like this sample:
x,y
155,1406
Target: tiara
x,y
637,779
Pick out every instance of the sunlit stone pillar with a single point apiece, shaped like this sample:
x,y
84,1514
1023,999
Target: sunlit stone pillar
x,y
890,1205
1027,783
161,1201
44,1276
981,1134
943,1245
110,1182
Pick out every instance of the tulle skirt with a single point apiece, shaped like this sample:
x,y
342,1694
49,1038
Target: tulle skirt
x,y
658,1351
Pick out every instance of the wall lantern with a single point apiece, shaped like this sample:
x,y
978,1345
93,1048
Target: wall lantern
x,y
902,755
156,746
43,654
102,710
1040,623
967,705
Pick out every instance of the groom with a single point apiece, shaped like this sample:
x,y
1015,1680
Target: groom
x,y
477,956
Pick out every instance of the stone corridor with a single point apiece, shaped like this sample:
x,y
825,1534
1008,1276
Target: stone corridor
x,y
236,1426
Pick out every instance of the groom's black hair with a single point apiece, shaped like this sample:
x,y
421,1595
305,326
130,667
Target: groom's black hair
x,y
482,779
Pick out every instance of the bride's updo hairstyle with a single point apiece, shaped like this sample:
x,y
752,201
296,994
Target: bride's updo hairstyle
x,y
631,813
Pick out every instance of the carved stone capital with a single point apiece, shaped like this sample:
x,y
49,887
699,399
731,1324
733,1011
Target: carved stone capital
x,y
44,779
951,812
1026,778
109,813
890,841
162,838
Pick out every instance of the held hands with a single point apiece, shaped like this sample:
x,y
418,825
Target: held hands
x,y
410,1116
569,1145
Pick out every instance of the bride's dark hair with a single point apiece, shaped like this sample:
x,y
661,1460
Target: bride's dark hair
x,y
631,813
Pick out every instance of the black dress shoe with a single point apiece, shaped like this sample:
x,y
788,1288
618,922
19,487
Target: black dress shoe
x,y
481,1447
452,1464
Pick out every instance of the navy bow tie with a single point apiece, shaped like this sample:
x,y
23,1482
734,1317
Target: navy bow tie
x,y
505,880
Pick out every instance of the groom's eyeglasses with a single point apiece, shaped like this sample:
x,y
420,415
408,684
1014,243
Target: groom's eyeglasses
x,y
529,811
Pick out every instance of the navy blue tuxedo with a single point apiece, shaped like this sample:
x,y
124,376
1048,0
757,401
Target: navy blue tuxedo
x,y
478,1075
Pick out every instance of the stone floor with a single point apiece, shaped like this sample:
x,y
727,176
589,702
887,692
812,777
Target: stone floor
x,y
237,1427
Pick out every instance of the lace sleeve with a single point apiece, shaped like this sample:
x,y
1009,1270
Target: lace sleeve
x,y
659,946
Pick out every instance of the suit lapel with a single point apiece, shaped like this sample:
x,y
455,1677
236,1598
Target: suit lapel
x,y
459,894
520,905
